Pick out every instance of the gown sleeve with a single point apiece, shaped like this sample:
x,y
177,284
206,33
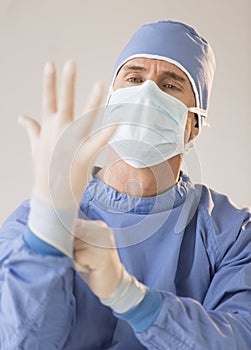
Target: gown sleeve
x,y
36,298
221,322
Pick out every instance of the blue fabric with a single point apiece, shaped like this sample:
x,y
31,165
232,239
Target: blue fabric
x,y
39,246
142,316
190,243
179,42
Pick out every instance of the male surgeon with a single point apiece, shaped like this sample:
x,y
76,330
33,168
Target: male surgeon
x,y
143,259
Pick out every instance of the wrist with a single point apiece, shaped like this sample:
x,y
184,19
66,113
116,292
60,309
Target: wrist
x,y
52,225
144,315
127,295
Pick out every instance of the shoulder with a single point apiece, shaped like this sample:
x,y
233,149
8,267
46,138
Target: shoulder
x,y
226,223
221,209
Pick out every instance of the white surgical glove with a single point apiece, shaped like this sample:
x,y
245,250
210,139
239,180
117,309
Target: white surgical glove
x,y
98,262
62,155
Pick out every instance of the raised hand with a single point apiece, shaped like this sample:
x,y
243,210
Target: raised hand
x,y
61,150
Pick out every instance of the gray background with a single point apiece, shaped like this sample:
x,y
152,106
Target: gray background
x,y
93,33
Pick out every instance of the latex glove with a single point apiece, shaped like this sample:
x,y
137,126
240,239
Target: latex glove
x,y
62,155
96,257
54,144
97,261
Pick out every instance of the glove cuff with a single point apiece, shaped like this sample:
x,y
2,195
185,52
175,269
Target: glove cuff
x,y
51,225
128,294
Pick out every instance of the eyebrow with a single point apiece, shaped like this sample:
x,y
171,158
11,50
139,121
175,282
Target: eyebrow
x,y
133,67
173,76
167,74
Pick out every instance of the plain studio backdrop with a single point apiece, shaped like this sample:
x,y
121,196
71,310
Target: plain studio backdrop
x,y
93,33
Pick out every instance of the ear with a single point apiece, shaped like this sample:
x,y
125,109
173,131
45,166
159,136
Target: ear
x,y
194,127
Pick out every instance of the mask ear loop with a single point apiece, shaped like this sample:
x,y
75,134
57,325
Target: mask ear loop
x,y
198,110
202,114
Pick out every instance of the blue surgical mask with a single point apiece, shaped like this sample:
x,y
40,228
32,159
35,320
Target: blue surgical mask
x,y
151,124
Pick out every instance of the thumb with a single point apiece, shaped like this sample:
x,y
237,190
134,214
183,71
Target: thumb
x,y
95,144
32,128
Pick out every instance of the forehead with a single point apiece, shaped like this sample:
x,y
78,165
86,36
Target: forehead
x,y
150,64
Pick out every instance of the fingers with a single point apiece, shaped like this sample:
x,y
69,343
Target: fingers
x,y
79,245
49,96
96,97
93,234
81,223
88,232
91,109
84,159
67,97
82,270
90,149
32,128
82,262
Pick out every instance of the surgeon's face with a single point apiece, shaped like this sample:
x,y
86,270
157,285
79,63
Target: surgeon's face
x,y
169,79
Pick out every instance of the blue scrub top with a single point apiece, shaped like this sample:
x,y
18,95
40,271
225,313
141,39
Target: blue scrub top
x,y
190,244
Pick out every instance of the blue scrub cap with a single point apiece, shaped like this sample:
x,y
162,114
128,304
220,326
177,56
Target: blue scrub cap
x,y
179,44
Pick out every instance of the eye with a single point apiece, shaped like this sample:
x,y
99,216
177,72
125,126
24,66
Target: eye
x,y
170,87
134,80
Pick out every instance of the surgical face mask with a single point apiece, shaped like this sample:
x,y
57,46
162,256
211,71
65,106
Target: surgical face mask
x,y
151,124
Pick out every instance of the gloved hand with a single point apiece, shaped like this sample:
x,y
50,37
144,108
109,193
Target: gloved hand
x,y
96,257
98,262
61,173
62,154
56,141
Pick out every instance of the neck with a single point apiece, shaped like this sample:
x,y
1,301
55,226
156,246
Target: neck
x,y
145,182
